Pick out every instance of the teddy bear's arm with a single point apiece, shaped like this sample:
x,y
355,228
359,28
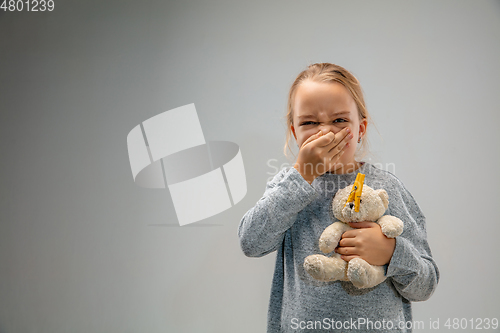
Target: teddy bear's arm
x,y
331,236
391,226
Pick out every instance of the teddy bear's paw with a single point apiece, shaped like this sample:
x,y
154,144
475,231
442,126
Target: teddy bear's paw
x,y
313,265
330,237
391,226
364,275
391,233
325,269
327,245
357,273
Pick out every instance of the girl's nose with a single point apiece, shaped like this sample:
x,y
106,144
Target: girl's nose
x,y
325,129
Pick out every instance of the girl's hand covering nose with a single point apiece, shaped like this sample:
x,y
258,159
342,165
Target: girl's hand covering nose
x,y
320,152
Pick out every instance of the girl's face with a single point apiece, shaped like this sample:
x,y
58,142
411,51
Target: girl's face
x,y
327,106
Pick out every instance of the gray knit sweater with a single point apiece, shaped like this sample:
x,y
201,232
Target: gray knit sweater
x,y
290,218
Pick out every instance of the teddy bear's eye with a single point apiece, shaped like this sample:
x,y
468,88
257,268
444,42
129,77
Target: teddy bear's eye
x,y
360,201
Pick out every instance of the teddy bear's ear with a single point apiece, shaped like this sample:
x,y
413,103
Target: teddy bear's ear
x,y
384,196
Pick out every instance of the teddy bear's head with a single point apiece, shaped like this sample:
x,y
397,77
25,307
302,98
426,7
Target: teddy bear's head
x,y
372,206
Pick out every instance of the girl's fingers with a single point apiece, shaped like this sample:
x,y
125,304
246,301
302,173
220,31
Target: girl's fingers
x,y
341,138
325,139
329,139
312,138
342,134
315,136
329,162
348,258
335,158
350,233
338,148
347,242
330,145
363,224
346,250
336,152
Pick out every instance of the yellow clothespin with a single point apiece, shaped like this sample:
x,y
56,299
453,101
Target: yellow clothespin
x,y
355,194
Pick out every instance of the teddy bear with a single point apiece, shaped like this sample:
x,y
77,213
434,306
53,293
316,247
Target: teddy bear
x,y
356,204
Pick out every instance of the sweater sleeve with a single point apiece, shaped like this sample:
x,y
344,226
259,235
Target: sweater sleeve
x,y
263,227
412,269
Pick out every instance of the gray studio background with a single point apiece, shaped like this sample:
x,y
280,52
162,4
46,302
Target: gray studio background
x,y
84,249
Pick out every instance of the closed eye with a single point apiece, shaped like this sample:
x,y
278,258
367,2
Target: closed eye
x,y
338,120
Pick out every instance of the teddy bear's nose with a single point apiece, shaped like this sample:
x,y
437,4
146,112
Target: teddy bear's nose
x,y
351,204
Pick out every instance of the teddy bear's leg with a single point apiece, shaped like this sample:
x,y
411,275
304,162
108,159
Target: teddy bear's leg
x,y
326,268
364,275
330,237
391,226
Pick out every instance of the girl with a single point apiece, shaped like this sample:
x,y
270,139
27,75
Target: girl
x,y
328,119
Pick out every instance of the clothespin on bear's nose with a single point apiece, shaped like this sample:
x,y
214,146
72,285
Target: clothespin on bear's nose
x,y
357,188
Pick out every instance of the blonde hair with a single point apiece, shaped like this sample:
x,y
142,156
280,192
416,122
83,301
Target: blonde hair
x,y
326,72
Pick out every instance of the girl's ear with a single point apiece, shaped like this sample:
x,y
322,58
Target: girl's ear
x,y
293,131
362,127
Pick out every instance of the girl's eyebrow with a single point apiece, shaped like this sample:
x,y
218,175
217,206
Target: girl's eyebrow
x,y
313,116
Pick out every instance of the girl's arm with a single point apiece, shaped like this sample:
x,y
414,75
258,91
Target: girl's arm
x,y
263,227
412,269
